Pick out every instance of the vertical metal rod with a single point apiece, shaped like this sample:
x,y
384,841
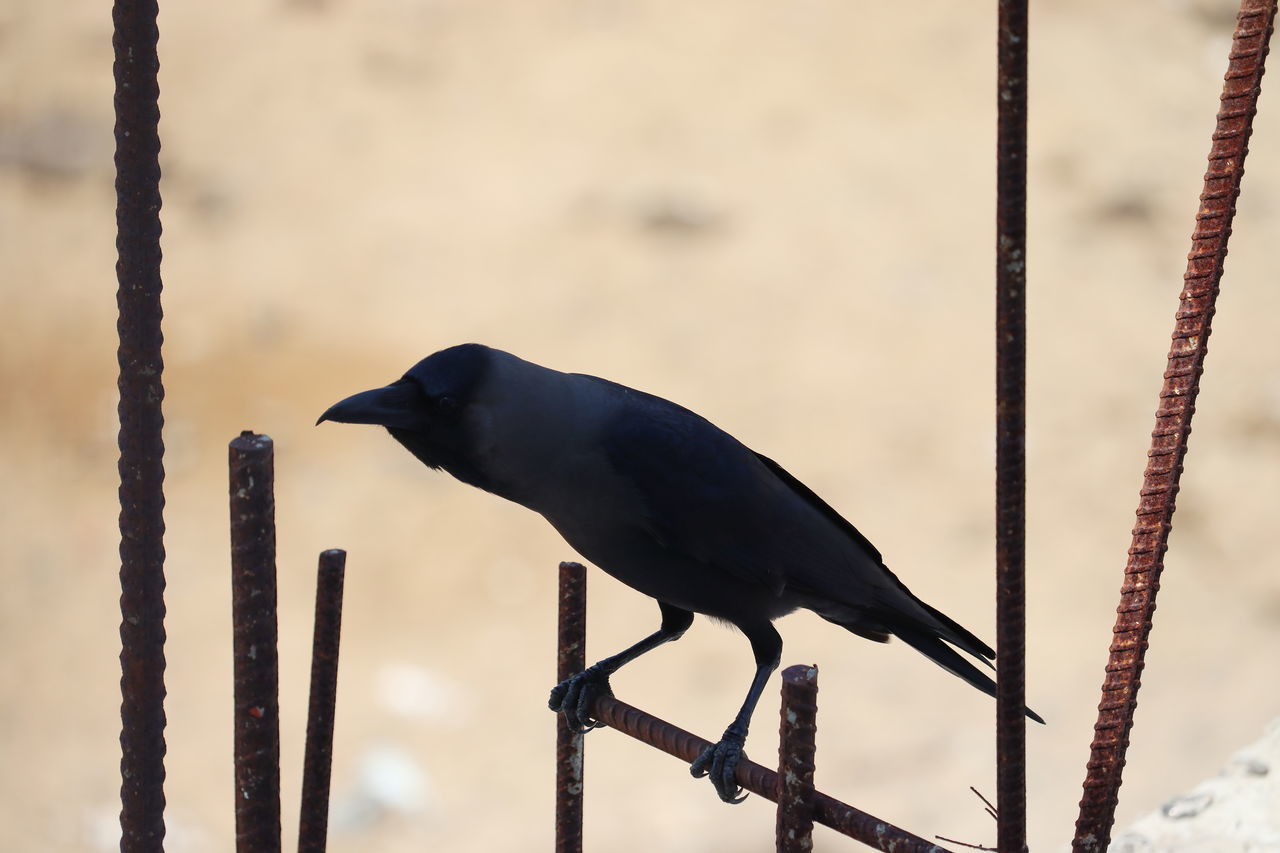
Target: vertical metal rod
x,y
1173,425
1011,360
571,658
257,679
313,825
796,752
142,583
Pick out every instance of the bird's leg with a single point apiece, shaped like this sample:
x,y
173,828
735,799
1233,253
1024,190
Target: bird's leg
x,y
720,760
576,695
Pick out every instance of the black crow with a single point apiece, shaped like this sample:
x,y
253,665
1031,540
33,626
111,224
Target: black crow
x,y
667,503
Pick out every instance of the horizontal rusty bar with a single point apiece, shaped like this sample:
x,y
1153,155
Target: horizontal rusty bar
x,y
827,811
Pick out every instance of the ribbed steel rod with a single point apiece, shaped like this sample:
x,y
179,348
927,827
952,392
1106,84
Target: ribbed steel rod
x,y
313,824
142,583
571,658
1173,425
796,751
254,650
1011,374
827,811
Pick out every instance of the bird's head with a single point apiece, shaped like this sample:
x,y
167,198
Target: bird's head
x,y
426,409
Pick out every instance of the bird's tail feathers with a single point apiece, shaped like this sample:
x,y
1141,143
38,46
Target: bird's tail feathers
x,y
933,647
956,634
926,630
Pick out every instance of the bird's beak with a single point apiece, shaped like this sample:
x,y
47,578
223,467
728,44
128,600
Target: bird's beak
x,y
399,405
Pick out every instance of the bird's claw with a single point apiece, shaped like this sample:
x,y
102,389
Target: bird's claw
x,y
576,696
720,762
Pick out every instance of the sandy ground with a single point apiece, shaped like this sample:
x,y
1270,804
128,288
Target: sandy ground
x,y
779,214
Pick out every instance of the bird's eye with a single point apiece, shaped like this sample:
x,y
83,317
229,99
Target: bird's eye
x,y
446,405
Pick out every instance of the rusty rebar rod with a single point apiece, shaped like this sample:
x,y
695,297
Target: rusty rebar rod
x,y
317,762
571,658
1011,374
142,583
758,779
254,649
1185,364
796,750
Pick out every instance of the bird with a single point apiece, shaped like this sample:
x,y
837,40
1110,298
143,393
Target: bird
x,y
665,502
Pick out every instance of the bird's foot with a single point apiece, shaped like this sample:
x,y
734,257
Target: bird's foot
x,y
576,696
720,762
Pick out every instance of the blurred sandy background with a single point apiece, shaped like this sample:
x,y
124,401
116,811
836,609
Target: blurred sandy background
x,y
779,214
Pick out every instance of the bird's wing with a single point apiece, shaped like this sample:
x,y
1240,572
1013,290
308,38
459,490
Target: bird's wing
x,y
898,605
704,495
807,495
711,498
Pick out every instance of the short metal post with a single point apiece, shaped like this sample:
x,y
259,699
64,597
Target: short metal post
x,y
257,679
796,752
313,825
571,658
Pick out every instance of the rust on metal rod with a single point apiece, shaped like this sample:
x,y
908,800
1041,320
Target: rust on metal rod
x,y
827,811
142,583
1173,425
571,658
1011,376
257,679
313,825
796,751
